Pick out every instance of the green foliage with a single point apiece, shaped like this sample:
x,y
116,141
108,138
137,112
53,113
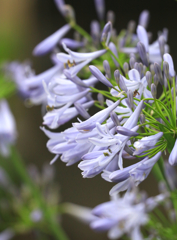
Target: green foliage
x,y
7,87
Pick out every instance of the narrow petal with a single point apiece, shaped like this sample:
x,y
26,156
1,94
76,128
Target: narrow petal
x,y
134,75
143,37
49,43
173,155
167,57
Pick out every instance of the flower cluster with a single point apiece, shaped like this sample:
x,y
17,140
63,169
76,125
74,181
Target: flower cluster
x,y
135,118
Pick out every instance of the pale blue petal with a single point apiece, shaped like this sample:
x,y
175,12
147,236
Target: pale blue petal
x,y
49,43
143,37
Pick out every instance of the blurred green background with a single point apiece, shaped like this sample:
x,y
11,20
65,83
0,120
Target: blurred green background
x,y
23,24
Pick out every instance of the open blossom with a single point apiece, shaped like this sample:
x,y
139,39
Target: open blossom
x,y
7,128
146,143
130,120
108,148
124,215
123,177
77,60
136,83
29,85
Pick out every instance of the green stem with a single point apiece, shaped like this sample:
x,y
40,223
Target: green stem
x,y
52,223
81,31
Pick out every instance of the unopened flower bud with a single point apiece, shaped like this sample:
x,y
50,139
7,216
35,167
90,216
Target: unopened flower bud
x,y
107,68
111,16
117,76
60,4
113,48
96,72
144,18
81,110
166,69
122,84
149,78
153,90
156,81
142,53
131,26
126,131
142,118
115,118
167,57
95,31
69,13
161,41
106,33
173,155
126,67
144,70
158,73
152,69
132,62
130,98
138,68
100,8
100,98
141,70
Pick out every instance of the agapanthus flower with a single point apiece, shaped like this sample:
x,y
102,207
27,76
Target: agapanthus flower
x,y
124,215
137,172
7,128
77,60
153,49
50,42
135,83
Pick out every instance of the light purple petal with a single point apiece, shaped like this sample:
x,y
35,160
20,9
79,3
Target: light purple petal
x,y
50,42
143,37
167,57
173,155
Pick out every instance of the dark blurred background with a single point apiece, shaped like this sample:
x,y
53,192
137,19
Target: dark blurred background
x,y
23,24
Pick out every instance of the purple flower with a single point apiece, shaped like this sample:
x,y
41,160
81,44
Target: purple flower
x,y
146,143
50,42
100,8
60,5
138,172
57,117
173,155
78,60
73,44
98,117
167,57
136,83
96,72
7,128
144,18
124,215
106,33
